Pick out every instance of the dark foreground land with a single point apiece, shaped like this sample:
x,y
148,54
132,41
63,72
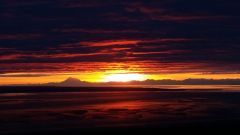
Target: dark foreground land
x,y
55,110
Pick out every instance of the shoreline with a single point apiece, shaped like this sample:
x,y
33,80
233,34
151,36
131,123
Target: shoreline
x,y
37,89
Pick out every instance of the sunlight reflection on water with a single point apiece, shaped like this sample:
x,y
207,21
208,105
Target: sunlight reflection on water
x,y
87,109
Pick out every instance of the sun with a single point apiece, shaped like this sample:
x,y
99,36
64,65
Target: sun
x,y
124,77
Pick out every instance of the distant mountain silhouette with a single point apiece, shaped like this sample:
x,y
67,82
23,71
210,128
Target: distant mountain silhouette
x,y
69,82
190,82
74,82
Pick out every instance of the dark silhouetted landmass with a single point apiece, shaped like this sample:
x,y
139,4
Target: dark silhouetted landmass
x,y
73,82
68,83
191,82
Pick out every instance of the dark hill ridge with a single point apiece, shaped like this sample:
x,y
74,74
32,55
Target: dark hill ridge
x,y
69,82
36,89
74,82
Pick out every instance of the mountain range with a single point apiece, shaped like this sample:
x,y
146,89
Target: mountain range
x,y
74,82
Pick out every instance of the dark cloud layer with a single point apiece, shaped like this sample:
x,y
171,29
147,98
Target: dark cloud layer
x,y
48,35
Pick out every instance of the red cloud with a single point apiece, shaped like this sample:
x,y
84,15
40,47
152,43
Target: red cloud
x,y
110,43
19,36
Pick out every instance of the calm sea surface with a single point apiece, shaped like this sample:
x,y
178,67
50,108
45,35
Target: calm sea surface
x,y
23,112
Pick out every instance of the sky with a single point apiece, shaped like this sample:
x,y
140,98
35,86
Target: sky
x,y
50,40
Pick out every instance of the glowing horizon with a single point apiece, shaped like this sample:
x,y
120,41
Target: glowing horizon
x,y
124,77
41,78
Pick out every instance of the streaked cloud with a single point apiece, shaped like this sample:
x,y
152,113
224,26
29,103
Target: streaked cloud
x,y
155,37
110,43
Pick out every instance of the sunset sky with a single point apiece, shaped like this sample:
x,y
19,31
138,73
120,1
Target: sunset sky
x,y
101,40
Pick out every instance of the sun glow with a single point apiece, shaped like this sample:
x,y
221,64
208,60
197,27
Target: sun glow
x,y
124,77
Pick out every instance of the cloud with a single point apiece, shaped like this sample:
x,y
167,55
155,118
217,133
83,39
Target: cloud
x,y
97,31
158,36
24,75
33,74
110,43
28,36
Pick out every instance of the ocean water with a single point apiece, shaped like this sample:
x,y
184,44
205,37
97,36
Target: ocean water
x,y
33,111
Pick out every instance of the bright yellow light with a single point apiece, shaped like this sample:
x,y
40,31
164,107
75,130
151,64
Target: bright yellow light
x,y
124,77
